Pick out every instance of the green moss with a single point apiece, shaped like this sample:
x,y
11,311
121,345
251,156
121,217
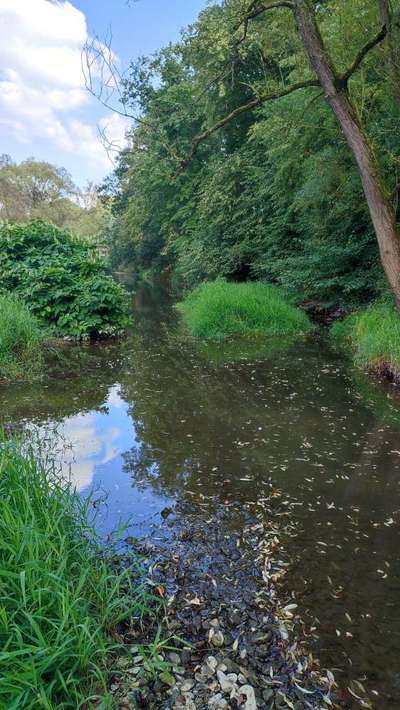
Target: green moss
x,y
21,339
373,335
219,309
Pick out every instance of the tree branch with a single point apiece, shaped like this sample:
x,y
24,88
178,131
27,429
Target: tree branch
x,y
254,10
395,197
362,54
254,103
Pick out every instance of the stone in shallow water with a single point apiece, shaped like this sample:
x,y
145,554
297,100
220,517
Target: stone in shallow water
x,y
217,702
212,663
187,685
226,682
175,659
217,639
268,693
248,692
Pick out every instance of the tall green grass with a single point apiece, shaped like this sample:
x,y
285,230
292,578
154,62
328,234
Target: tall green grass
x,y
220,309
21,340
373,335
61,597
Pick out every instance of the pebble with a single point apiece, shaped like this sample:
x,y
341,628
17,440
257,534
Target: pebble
x,y
268,694
212,663
175,659
186,686
218,702
227,682
217,638
248,692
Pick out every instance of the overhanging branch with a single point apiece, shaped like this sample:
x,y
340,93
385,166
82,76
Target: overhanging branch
x,y
254,103
255,9
363,53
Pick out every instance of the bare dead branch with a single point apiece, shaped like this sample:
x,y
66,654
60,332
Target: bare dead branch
x,y
104,81
254,103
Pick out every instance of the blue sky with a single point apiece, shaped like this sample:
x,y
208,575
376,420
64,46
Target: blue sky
x,y
45,110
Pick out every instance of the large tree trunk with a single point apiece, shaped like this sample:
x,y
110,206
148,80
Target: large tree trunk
x,y
336,94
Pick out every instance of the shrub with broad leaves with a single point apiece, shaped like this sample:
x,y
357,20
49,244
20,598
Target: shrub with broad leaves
x,y
63,280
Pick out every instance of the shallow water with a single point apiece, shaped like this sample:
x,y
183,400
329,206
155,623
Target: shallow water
x,y
156,418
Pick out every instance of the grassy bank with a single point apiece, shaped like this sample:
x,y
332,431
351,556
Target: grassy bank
x,y
374,337
61,597
21,340
220,309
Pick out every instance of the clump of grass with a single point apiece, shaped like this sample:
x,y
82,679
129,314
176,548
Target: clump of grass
x,y
61,597
373,335
220,309
21,340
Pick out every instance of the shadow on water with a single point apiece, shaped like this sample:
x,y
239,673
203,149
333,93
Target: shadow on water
x,y
158,417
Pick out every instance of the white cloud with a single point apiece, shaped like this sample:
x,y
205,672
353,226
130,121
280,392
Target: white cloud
x,y
42,91
89,444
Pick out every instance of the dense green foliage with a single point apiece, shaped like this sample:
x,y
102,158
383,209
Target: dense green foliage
x,y
38,190
60,595
275,193
220,309
62,279
373,334
21,340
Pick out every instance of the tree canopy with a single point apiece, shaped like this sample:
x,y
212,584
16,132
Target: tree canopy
x,y
274,192
35,189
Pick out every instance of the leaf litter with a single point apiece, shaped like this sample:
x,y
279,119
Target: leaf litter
x,y
235,631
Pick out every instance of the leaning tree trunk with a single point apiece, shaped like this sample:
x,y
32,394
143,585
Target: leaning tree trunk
x,y
336,93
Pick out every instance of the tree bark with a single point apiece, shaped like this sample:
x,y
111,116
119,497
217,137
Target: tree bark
x,y
336,93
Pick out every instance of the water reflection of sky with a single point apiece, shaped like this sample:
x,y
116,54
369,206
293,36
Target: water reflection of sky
x,y
92,457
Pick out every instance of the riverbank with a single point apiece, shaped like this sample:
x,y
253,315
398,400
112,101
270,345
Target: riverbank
x,y
52,284
21,340
64,598
373,335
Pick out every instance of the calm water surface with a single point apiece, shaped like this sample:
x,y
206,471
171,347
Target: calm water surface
x,y
157,418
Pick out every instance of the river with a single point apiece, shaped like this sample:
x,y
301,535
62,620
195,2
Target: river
x,y
157,417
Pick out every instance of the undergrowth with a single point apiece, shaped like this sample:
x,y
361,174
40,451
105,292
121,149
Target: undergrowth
x,y
21,340
372,334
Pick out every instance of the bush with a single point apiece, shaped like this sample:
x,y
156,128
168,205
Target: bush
x,y
219,309
63,279
61,596
20,340
373,335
